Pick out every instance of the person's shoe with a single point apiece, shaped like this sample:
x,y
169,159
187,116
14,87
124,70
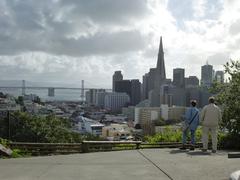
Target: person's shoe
x,y
214,151
191,148
183,147
204,150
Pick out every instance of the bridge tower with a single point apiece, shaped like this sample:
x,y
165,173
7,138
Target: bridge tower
x,y
51,92
23,88
82,91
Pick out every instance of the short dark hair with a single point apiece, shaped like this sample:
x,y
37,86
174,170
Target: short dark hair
x,y
193,103
211,99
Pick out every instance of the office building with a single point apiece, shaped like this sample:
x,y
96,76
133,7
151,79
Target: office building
x,y
116,132
145,87
100,97
157,76
116,101
206,75
145,116
135,96
130,87
191,82
91,96
179,77
116,77
123,86
178,96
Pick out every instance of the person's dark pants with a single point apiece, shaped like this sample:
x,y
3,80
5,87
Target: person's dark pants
x,y
184,138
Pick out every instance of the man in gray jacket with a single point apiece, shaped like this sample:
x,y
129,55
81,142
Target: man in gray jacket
x,y
210,117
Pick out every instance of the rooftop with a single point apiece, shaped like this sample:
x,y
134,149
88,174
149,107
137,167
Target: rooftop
x,y
146,164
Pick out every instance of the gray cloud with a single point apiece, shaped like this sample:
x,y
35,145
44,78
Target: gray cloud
x,y
70,27
108,11
70,40
102,43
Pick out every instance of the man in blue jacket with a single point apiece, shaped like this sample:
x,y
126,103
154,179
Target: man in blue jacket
x,y
191,123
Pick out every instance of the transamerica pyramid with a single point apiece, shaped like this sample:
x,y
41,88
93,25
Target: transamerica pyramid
x,y
160,62
154,79
160,74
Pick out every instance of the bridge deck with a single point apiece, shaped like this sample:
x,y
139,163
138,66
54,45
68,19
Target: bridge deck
x,y
150,164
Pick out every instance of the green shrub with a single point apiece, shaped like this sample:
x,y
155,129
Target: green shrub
x,y
171,135
229,141
167,135
4,142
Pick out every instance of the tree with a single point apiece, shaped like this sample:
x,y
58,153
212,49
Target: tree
x,y
29,128
228,96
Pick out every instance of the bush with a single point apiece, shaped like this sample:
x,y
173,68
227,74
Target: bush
x,y
229,141
30,128
170,135
16,153
167,135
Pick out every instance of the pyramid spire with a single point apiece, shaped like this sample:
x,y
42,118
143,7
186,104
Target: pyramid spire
x,y
160,62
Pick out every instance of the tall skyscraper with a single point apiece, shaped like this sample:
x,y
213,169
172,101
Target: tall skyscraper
x,y
131,88
145,86
116,77
219,76
123,86
135,92
151,82
207,75
158,76
179,77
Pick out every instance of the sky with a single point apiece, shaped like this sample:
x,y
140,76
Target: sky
x,y
62,42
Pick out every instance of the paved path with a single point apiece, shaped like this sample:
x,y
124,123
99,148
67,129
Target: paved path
x,y
147,164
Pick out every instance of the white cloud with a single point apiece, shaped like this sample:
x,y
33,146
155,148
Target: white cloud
x,y
55,41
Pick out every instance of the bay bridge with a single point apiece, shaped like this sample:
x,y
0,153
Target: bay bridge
x,y
51,90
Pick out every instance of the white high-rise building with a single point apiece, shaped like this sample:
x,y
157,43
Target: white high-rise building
x,y
100,99
91,96
115,101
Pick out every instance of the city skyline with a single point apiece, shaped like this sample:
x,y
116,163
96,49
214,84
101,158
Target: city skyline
x,y
74,40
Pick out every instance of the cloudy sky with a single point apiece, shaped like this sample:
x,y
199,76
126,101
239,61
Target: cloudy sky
x,y
65,41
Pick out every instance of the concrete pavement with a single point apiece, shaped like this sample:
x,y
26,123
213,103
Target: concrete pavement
x,y
149,164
